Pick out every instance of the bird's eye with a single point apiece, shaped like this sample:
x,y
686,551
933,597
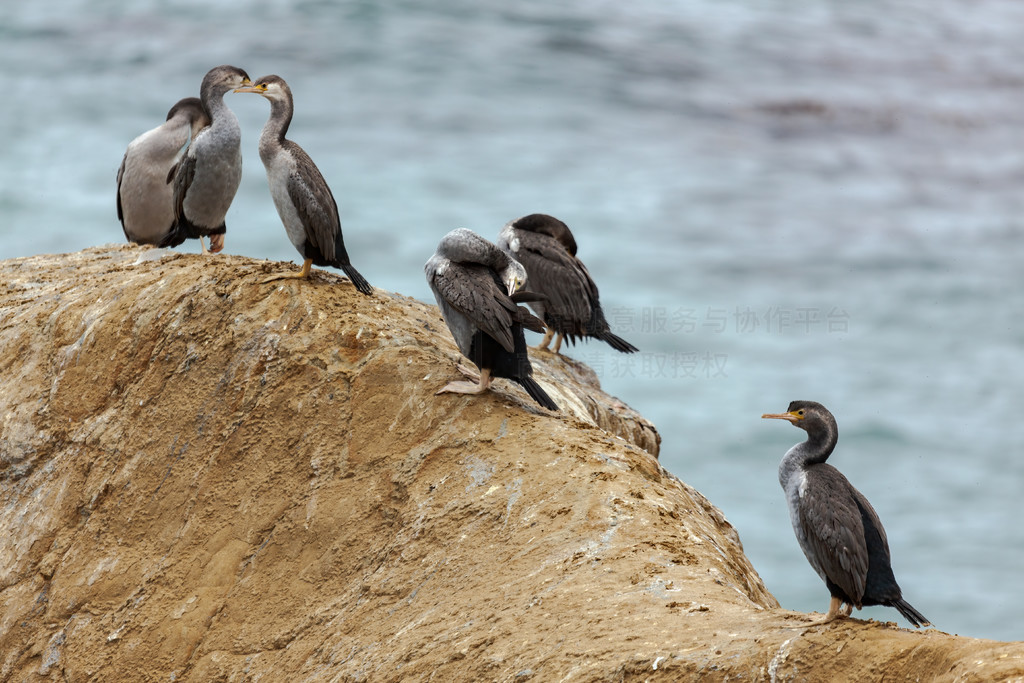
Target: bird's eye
x,y
800,412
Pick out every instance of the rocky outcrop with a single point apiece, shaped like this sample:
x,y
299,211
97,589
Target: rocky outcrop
x,y
205,478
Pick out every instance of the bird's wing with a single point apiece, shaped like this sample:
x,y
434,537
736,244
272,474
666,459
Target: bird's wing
x,y
473,291
832,524
120,175
182,174
560,276
869,518
314,203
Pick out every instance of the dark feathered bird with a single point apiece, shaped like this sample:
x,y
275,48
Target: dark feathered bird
x,y
145,201
837,528
475,285
301,195
206,179
570,307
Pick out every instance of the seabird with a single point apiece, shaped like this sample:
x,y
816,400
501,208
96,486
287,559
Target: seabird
x,y
837,528
144,198
301,195
476,286
570,308
207,177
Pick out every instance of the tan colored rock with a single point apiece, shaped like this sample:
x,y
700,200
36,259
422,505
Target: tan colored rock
x,y
204,478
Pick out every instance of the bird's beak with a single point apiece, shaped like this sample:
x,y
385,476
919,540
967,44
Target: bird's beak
x,y
513,285
789,417
247,87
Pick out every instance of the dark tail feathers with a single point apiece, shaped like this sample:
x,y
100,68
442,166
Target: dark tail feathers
x,y
911,614
358,280
536,393
173,238
618,343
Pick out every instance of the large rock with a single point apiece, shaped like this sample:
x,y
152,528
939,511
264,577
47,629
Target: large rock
x,y
205,478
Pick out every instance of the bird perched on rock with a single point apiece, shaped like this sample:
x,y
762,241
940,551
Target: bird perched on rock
x,y
570,307
837,528
301,195
476,286
207,177
144,198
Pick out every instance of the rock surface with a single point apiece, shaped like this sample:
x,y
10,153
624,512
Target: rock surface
x,y
205,478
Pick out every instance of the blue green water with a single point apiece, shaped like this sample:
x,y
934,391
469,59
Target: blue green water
x,y
778,201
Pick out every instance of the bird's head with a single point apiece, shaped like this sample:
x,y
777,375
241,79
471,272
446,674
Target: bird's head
x,y
272,87
544,224
806,415
224,78
514,276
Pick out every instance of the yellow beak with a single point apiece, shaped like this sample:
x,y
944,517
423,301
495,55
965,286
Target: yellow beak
x,y
789,417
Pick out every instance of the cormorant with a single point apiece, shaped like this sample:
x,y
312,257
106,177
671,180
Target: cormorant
x,y
476,286
301,195
207,177
837,528
570,308
144,198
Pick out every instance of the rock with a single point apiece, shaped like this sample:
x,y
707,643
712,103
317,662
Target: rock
x,y
205,478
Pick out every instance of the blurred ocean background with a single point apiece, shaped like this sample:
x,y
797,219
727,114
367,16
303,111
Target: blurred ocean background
x,y
778,201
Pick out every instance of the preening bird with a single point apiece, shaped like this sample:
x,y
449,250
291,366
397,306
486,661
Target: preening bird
x,y
207,177
835,525
570,306
301,195
476,286
145,201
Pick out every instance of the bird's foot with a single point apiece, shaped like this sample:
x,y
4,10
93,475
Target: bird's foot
x,y
302,274
469,372
543,346
837,609
558,343
481,382
202,245
461,388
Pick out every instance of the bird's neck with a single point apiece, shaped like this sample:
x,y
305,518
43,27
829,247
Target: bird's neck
x,y
213,102
224,130
814,451
277,125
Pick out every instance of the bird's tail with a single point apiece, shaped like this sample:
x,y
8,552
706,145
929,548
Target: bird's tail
x,y
358,280
173,238
911,614
618,343
536,393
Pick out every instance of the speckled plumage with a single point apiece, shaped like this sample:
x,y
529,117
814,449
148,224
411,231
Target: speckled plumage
x,y
835,525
